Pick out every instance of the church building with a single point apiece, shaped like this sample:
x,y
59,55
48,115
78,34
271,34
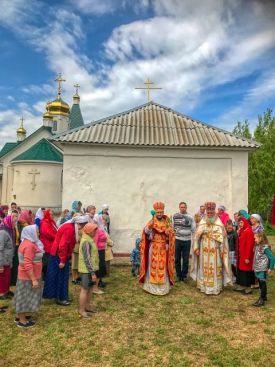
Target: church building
x,y
31,168
128,160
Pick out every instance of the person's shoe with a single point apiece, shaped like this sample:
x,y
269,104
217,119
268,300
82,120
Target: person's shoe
x,y
85,315
91,311
247,291
255,286
98,291
10,294
29,318
74,282
101,284
63,303
259,303
184,280
239,289
27,325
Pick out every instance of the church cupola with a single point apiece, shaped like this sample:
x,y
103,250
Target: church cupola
x,y
76,118
59,110
47,117
21,131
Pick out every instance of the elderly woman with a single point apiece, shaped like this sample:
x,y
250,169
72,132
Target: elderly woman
x,y
256,222
245,254
6,254
57,277
48,230
27,297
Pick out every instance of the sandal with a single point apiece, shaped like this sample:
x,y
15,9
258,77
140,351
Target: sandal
x,y
85,315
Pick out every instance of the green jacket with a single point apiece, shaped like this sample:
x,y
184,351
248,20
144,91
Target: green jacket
x,y
88,261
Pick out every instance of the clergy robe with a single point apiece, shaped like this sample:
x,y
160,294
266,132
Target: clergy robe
x,y
157,253
211,268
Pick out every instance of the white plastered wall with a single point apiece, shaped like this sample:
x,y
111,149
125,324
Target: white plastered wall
x,y
42,191
131,179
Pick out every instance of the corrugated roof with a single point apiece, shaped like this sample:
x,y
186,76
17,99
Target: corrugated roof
x,y
41,151
76,118
7,147
154,125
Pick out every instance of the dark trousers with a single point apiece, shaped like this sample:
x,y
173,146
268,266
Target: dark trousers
x,y
263,288
182,258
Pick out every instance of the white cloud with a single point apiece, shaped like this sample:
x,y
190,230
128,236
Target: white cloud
x,y
186,48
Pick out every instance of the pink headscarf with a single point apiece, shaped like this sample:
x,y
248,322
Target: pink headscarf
x,y
26,217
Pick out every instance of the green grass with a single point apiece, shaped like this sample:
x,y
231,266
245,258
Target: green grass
x,y
133,328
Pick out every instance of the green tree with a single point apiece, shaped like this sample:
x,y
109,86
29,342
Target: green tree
x,y
261,164
242,129
261,175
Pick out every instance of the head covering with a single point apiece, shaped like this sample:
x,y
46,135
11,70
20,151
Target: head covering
x,y
105,206
39,214
98,220
159,206
89,228
81,219
258,217
8,226
75,205
30,233
26,217
246,225
47,216
222,207
243,213
210,205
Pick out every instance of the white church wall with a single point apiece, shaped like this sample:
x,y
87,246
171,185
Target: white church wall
x,y
131,179
6,196
37,184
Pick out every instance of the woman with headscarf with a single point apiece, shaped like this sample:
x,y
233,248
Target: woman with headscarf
x,y
39,215
4,209
257,223
48,230
28,287
245,254
57,276
88,264
6,255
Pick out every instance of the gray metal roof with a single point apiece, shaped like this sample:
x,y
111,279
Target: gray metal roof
x,y
154,125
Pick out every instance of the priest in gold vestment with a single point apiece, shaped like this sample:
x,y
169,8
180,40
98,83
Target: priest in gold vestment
x,y
157,253
210,254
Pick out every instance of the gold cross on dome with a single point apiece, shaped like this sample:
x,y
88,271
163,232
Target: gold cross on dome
x,y
148,87
22,121
59,80
77,86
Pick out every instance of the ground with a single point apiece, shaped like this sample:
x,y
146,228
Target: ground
x,y
133,328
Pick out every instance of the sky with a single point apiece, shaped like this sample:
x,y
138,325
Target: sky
x,y
213,59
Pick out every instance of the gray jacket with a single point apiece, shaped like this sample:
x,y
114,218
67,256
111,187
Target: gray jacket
x,y
6,249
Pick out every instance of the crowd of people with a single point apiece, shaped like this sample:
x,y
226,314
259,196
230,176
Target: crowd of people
x,y
37,254
223,251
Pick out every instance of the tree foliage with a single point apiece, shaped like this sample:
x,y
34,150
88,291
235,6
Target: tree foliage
x,y
261,164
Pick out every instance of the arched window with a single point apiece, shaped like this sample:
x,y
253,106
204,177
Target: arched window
x,y
54,125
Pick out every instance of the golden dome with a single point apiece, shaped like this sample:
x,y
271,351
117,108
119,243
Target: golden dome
x,y
58,107
47,115
21,130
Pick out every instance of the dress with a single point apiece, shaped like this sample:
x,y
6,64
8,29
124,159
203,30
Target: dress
x,y
211,268
157,253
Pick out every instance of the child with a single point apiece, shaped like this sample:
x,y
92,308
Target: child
x,y
135,258
88,264
232,239
264,262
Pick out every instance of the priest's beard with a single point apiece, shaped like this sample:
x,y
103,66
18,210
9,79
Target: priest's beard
x,y
159,217
210,220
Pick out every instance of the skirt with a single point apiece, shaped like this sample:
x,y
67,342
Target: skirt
x,y
245,278
26,298
56,280
5,280
14,270
101,272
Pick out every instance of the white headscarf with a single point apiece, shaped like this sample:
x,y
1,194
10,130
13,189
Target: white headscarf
x,y
39,214
30,233
78,219
105,206
98,220
258,217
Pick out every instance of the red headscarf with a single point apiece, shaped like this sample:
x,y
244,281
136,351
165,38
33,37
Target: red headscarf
x,y
89,228
47,216
245,226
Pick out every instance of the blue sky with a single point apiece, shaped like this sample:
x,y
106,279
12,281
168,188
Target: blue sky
x,y
215,60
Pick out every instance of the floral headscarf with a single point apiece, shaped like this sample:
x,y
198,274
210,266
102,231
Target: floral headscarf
x,y
26,217
30,233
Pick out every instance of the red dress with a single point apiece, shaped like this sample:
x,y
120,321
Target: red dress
x,y
48,230
64,242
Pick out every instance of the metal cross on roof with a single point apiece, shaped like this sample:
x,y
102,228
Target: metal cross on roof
x,y
148,88
77,86
59,80
22,121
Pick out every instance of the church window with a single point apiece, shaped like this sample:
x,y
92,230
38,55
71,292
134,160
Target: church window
x,y
54,125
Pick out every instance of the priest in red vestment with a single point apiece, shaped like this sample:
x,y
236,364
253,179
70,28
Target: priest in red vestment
x,y
157,253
